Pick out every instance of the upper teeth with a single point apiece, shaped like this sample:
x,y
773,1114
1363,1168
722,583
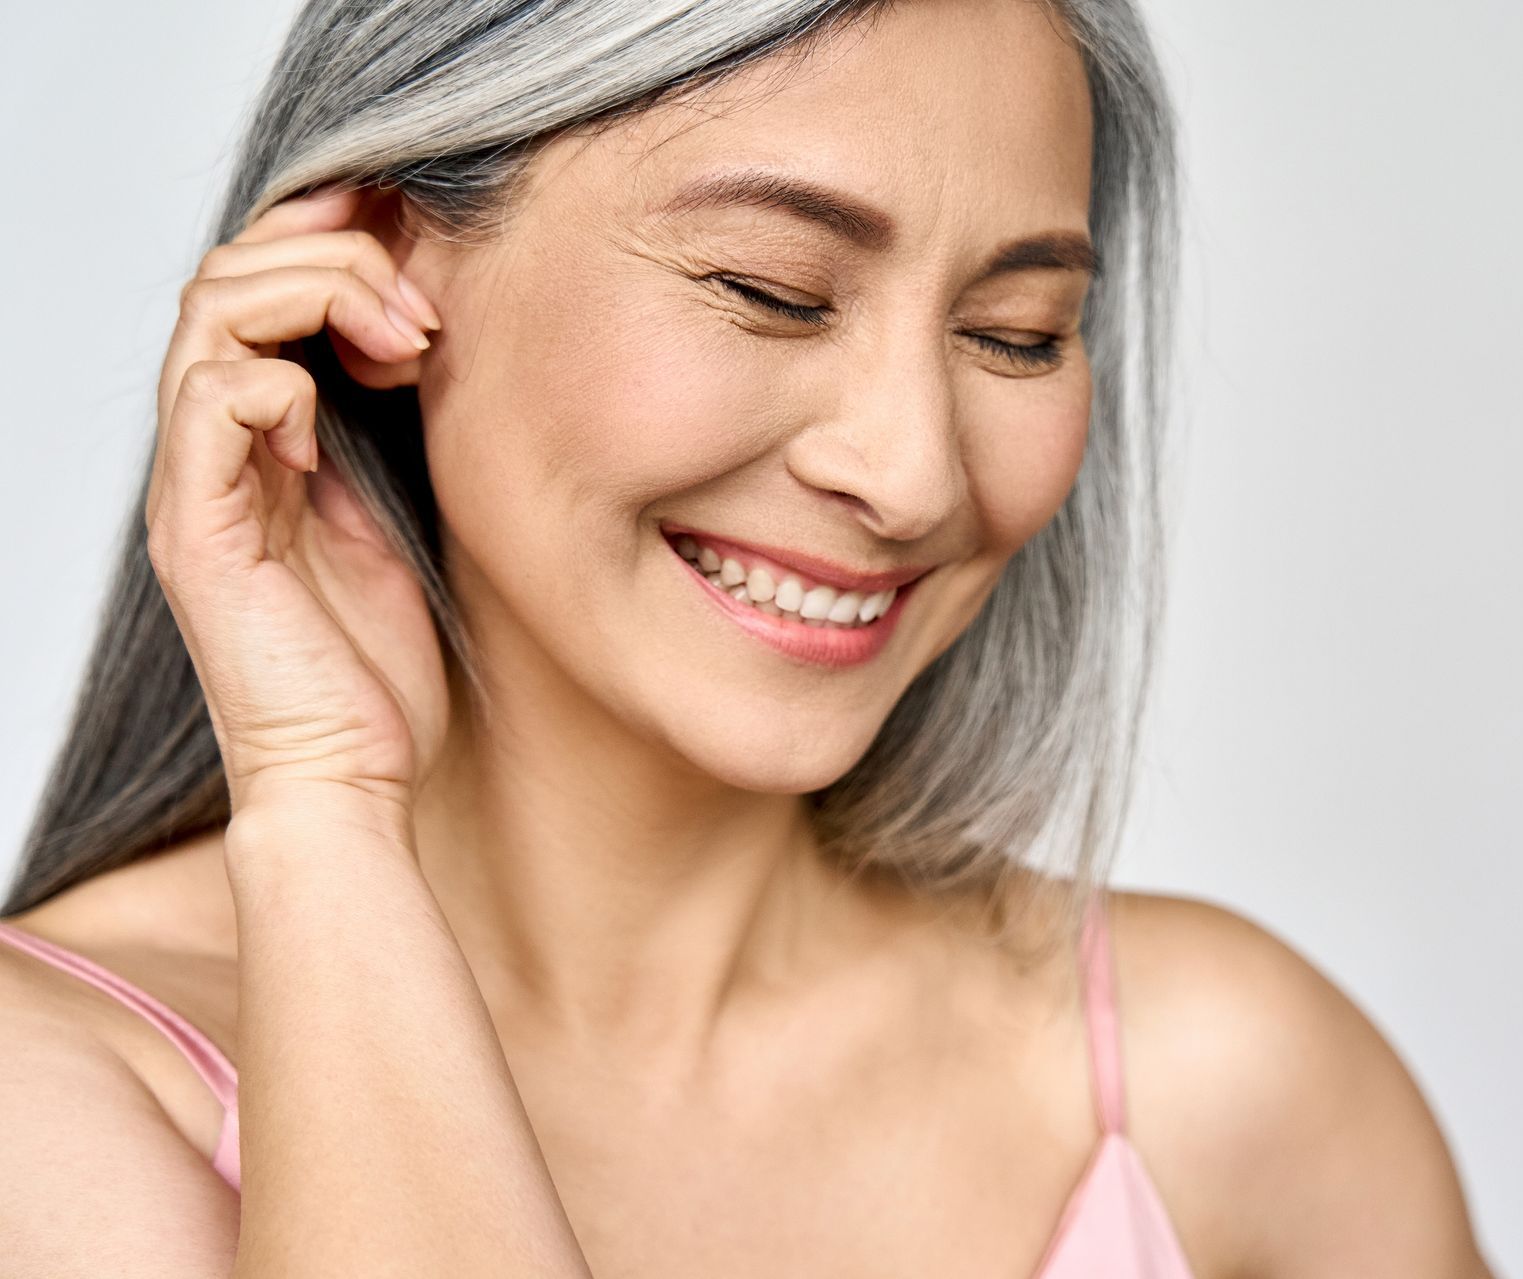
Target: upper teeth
x,y
812,602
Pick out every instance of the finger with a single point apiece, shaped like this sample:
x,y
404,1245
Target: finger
x,y
232,317
357,250
325,209
286,303
228,319
206,446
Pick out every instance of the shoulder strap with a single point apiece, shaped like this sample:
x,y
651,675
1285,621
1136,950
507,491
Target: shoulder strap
x,y
208,1060
1097,973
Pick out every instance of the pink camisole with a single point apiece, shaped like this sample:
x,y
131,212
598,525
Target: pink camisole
x,y
1113,1226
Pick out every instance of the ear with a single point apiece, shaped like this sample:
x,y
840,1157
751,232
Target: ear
x,y
380,213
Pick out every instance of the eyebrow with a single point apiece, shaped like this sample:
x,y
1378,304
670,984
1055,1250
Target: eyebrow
x,y
862,224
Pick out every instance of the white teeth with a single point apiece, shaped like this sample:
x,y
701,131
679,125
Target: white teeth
x,y
817,602
876,605
761,585
845,608
817,606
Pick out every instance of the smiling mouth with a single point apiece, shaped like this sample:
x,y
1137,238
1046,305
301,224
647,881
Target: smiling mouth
x,y
772,588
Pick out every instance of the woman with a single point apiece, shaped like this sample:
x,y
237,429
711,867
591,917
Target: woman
x,y
621,696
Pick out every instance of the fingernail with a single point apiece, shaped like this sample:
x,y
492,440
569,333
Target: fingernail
x,y
421,306
406,327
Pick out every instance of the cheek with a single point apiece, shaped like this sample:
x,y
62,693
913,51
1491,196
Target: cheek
x,y
1023,459
579,395
608,392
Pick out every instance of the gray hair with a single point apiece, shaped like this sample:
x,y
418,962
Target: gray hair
x,y
1013,751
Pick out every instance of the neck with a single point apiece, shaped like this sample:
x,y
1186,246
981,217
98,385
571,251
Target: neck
x,y
604,889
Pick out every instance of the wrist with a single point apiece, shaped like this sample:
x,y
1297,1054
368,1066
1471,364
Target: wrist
x,y
302,822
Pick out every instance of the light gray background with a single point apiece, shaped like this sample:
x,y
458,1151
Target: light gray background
x,y
1337,744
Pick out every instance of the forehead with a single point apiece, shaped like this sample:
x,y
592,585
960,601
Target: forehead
x,y
935,110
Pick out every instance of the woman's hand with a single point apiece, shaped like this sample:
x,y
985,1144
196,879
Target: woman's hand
x,y
312,640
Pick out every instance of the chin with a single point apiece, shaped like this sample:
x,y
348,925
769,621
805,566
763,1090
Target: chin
x,y
779,758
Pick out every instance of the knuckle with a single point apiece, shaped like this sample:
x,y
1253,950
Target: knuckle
x,y
341,286
358,243
205,382
215,261
301,377
196,297
297,382
303,387
370,251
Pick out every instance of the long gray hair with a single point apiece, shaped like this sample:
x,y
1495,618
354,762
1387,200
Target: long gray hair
x,y
1011,753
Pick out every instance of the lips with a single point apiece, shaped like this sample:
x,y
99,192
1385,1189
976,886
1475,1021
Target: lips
x,y
812,641
783,561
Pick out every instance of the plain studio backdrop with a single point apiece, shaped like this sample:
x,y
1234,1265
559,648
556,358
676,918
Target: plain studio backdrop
x,y
1336,744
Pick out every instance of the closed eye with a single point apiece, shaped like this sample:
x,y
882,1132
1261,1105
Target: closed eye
x,y
1047,354
809,314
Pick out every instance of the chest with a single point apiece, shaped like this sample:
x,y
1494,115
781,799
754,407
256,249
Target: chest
x,y
816,1183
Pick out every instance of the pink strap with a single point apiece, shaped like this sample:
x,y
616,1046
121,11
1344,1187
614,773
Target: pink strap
x,y
209,1061
1098,975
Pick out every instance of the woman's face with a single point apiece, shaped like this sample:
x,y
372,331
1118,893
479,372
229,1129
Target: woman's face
x,y
597,385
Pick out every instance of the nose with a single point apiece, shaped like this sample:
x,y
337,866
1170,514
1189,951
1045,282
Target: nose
x,y
888,446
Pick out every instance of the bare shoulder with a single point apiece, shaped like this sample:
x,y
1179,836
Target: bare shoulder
x,y
1272,1110
94,1176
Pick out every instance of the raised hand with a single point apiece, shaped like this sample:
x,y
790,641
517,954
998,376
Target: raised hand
x,y
320,663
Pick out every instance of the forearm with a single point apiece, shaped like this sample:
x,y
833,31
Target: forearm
x,y
382,1133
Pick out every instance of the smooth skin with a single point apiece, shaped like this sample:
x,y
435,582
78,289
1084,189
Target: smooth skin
x,y
735,1060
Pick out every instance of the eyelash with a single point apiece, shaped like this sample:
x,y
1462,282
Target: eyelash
x,y
1042,355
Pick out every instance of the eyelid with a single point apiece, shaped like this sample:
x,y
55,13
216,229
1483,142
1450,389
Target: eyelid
x,y
761,297
1035,357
